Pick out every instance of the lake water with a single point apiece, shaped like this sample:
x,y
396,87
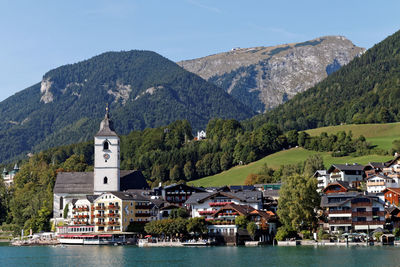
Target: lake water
x,y
209,256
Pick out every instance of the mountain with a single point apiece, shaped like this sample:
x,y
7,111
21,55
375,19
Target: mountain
x,y
367,90
264,77
143,88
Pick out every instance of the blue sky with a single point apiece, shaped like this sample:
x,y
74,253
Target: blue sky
x,y
37,36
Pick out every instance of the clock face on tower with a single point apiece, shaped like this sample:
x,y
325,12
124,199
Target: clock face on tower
x,y
106,156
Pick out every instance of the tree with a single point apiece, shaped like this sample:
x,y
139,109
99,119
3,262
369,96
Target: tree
x,y
136,227
241,221
174,173
188,170
197,225
298,200
179,213
226,161
65,213
312,164
251,229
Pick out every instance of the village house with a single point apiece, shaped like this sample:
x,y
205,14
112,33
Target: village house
x,y
392,196
373,168
176,194
353,211
379,182
8,177
336,187
223,221
207,203
351,173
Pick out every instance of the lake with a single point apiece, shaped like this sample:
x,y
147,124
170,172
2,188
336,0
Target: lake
x,y
208,256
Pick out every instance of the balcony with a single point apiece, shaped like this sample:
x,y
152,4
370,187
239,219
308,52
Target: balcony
x,y
142,214
375,183
113,223
113,207
219,222
100,215
207,212
216,204
340,221
361,213
369,223
100,208
101,224
340,211
228,213
113,215
361,204
378,213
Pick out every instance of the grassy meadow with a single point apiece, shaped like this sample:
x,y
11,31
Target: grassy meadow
x,y
380,135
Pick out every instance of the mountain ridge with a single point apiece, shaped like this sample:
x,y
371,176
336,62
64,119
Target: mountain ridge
x,y
264,77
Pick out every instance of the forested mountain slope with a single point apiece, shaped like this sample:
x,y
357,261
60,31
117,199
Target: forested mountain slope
x,y
367,90
143,88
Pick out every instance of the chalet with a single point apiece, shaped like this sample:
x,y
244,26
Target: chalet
x,y
351,173
353,211
378,182
336,187
393,216
373,168
223,221
177,194
392,196
207,203
392,168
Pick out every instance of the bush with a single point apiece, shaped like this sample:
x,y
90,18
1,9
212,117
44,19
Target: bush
x,y
284,233
378,235
396,232
306,234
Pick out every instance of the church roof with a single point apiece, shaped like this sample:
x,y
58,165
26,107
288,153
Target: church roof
x,y
74,183
83,182
106,126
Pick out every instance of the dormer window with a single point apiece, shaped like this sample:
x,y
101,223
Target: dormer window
x,y
106,145
105,180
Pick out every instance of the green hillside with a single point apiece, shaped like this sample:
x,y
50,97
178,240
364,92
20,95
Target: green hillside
x,y
381,135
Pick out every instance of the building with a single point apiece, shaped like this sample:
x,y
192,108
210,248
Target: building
x,y
392,196
201,135
323,179
336,187
374,168
207,203
353,211
177,194
378,182
114,211
351,173
107,176
8,177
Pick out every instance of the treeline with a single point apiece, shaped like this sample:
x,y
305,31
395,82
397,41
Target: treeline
x,y
364,91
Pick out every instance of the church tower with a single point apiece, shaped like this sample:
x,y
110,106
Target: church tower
x,y
106,158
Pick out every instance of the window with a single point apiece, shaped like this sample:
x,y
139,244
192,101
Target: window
x,y
105,145
105,180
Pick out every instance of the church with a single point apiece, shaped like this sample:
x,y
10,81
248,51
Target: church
x,y
106,177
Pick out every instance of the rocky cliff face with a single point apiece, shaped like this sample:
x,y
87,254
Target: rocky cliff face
x,y
264,77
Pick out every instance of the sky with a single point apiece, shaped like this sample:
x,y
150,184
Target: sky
x,y
37,36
